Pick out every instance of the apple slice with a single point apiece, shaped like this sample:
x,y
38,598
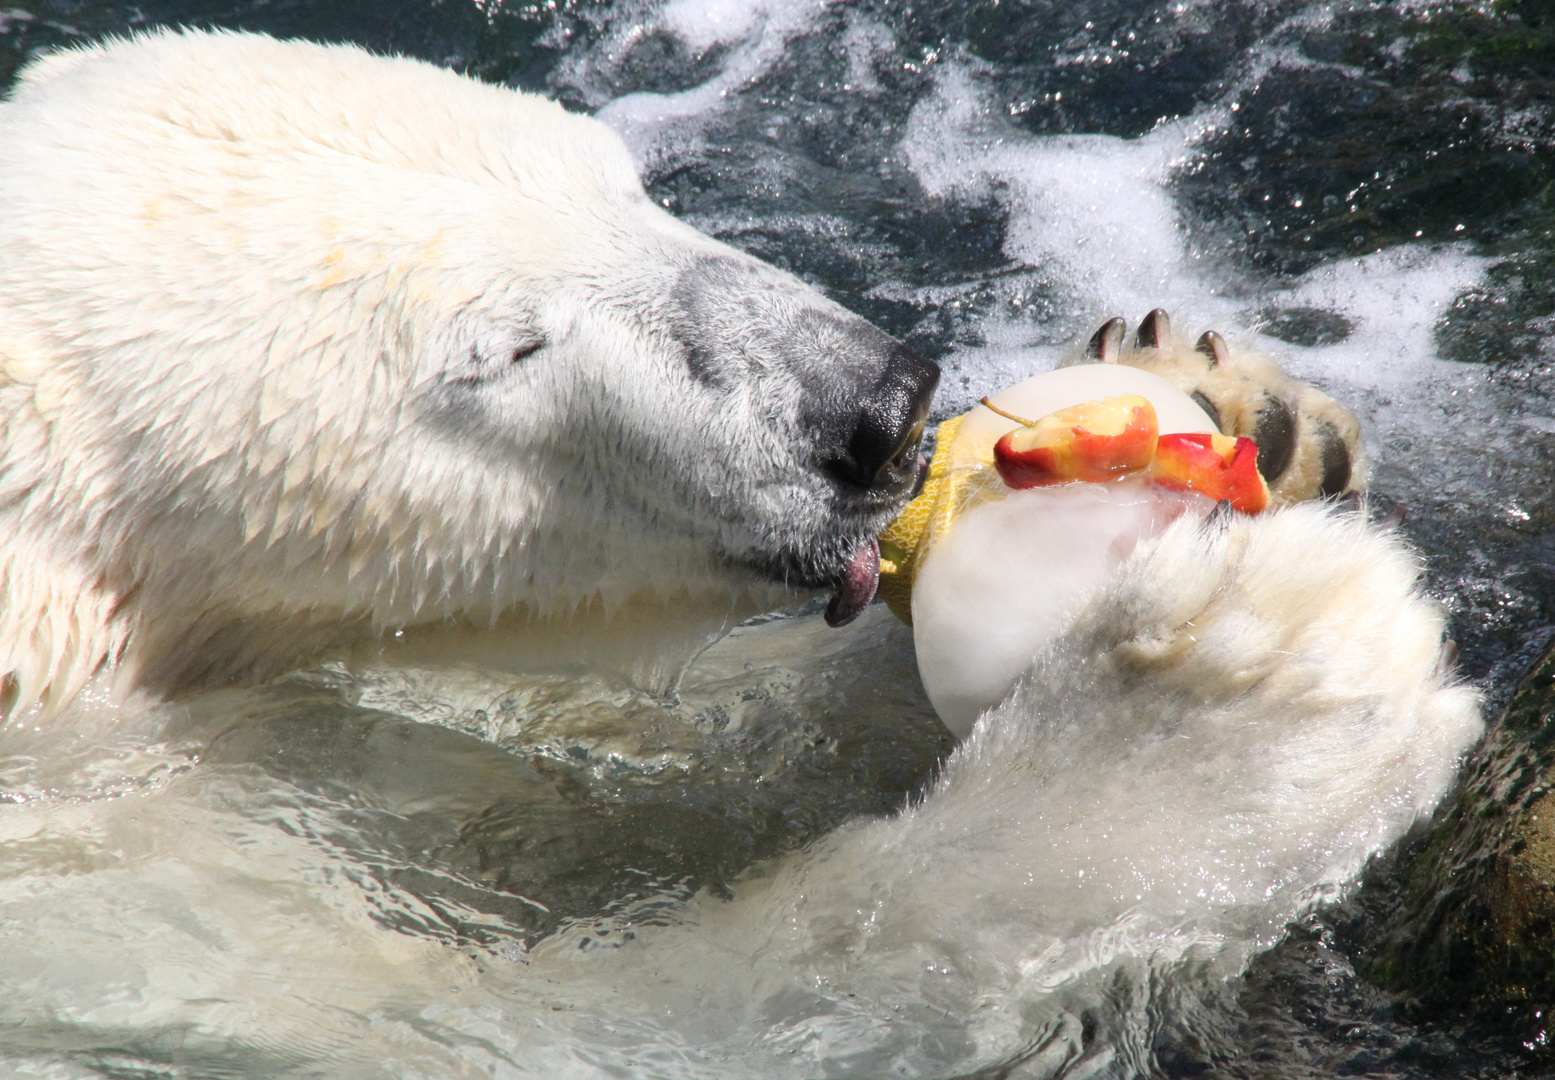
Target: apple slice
x,y
1090,442
1219,466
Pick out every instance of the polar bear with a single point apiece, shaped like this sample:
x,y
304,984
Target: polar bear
x,y
300,345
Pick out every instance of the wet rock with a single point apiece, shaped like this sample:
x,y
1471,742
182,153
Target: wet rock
x,y
1464,932
1522,893
1386,125
1510,319
1305,325
1115,66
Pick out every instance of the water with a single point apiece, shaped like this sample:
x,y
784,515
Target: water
x,y
384,873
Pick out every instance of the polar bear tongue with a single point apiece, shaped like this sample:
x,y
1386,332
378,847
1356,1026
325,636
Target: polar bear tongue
x,y
857,587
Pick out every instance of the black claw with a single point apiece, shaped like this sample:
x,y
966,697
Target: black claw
x,y
1335,461
1218,517
1275,434
1213,346
1107,342
1393,518
1155,332
1210,409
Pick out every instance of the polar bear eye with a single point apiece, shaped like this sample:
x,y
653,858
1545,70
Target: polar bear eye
x,y
482,354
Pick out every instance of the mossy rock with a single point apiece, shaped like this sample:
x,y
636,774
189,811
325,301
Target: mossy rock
x,y
1464,933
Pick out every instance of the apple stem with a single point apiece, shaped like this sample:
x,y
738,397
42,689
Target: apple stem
x,y
1008,415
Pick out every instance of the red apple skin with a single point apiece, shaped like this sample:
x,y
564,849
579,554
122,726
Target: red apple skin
x,y
1088,443
1218,466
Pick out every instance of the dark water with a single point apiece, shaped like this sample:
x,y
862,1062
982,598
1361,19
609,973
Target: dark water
x,y
1419,138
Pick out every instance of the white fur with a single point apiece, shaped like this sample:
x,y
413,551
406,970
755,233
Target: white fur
x,y
259,302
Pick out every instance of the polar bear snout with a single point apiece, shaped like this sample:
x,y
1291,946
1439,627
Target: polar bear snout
x,y
881,455
854,395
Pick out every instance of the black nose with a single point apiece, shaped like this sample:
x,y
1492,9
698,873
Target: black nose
x,y
882,453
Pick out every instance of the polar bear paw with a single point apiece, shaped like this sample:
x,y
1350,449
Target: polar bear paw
x,y
1309,446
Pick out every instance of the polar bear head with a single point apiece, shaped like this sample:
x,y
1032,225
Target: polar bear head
x,y
297,342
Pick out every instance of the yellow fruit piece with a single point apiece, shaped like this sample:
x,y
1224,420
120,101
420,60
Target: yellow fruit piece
x,y
959,478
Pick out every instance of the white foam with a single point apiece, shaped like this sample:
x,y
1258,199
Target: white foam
x,y
1095,217
701,24
1092,208
758,32
1393,300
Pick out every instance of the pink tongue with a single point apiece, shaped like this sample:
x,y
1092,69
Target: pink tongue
x,y
857,587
